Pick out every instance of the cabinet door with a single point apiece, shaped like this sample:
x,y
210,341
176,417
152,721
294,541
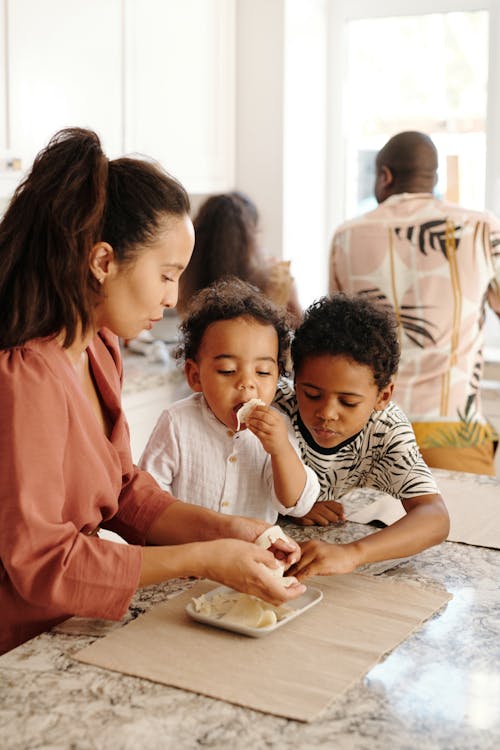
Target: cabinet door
x,y
179,95
64,69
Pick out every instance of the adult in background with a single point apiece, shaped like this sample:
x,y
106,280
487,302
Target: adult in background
x,y
227,244
90,250
437,264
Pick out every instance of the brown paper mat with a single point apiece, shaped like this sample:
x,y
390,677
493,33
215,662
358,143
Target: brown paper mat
x,y
473,503
294,672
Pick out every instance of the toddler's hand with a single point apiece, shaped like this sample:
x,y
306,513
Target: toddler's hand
x,y
270,427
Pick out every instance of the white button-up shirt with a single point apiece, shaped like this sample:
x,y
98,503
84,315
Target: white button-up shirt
x,y
198,459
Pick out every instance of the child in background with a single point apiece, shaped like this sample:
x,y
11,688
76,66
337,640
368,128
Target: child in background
x,y
234,343
345,356
227,243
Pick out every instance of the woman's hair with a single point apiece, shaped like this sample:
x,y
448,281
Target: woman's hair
x,y
72,199
350,326
225,300
225,243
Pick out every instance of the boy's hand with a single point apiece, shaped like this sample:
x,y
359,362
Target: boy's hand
x,y
270,427
324,559
323,514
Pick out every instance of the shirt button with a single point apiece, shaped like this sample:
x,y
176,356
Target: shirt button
x,y
232,459
230,433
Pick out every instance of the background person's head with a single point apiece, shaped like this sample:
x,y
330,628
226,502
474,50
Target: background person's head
x,y
234,343
406,164
345,355
226,228
74,225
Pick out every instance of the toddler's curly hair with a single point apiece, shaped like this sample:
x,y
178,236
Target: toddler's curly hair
x,y
227,299
352,326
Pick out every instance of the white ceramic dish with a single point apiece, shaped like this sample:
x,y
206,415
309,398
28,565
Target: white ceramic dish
x,y
305,601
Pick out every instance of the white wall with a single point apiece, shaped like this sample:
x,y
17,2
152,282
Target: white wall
x,y
259,112
305,162
281,121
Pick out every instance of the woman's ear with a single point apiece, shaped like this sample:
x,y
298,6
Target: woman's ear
x,y
101,261
384,396
192,373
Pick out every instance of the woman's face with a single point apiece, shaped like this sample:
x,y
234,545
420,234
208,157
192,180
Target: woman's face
x,y
135,295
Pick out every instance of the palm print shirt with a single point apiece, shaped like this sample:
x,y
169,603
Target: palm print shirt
x,y
437,264
384,455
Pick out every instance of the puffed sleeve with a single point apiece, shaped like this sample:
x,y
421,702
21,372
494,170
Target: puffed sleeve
x,y
161,455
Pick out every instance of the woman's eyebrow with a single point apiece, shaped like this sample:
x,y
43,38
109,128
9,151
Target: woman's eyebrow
x,y
177,266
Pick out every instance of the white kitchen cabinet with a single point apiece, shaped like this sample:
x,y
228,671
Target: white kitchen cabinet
x,y
150,76
64,69
179,88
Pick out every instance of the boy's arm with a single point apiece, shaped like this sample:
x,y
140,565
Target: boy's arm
x,y
425,524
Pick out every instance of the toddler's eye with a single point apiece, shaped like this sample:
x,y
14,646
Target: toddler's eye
x,y
349,405
225,372
311,396
261,372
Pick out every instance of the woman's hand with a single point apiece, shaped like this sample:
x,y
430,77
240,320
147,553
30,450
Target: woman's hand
x,y
247,568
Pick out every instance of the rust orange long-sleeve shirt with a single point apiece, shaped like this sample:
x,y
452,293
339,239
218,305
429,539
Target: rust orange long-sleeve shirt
x,y
60,478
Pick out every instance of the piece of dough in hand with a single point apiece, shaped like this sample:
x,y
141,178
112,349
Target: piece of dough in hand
x,y
266,540
244,411
270,535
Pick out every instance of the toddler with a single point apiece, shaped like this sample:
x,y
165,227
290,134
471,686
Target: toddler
x,y
234,343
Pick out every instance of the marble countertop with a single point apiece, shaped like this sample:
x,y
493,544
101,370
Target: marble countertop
x,y
438,690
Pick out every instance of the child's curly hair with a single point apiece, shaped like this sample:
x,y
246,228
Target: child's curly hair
x,y
227,299
349,325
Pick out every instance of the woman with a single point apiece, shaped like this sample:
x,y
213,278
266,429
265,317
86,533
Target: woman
x,y
226,228
92,250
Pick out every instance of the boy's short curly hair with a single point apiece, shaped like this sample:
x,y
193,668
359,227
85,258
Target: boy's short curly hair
x,y
352,326
227,299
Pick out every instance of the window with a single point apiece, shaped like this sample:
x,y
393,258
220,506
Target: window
x,y
414,65
425,72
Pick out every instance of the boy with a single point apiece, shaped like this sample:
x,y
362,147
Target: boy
x,y
234,344
345,356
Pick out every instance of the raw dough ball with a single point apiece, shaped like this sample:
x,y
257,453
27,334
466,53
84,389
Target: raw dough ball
x,y
244,411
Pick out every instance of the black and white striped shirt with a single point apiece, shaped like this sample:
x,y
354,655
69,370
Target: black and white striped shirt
x,y
384,455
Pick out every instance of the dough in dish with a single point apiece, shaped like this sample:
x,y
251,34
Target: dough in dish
x,y
244,411
240,609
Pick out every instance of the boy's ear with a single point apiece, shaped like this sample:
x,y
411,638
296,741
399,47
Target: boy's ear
x,y
384,396
192,373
